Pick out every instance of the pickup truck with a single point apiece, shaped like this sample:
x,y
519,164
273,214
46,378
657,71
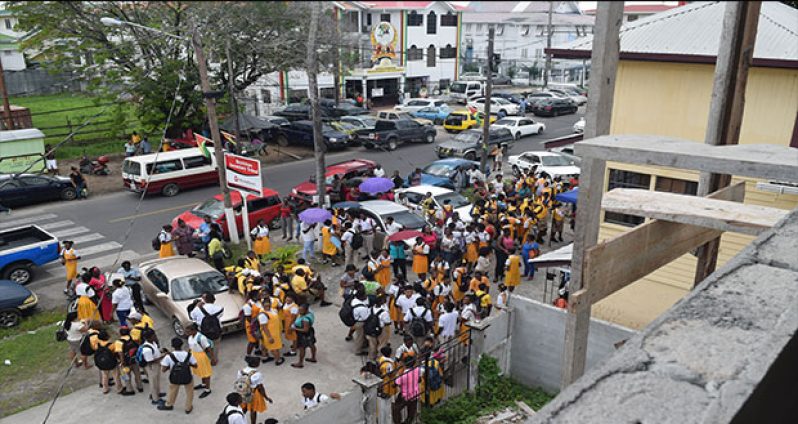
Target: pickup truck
x,y
392,133
22,248
468,144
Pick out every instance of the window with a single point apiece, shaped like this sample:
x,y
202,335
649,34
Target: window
x,y
431,56
9,185
499,29
385,17
414,54
448,52
675,185
196,162
468,28
164,167
432,23
632,18
626,179
35,181
525,53
524,30
479,28
368,19
415,19
449,20
8,24
158,280
257,204
443,85
266,96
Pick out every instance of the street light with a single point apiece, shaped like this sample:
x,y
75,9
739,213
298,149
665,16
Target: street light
x,y
210,105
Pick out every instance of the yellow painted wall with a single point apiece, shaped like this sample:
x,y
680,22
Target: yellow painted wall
x,y
673,99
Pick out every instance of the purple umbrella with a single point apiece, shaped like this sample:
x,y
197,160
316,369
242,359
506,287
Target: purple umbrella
x,y
314,215
376,185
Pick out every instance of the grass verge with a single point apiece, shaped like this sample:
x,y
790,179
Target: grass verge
x,y
40,318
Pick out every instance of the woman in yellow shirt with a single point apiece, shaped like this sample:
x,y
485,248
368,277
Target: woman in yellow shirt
x,y
262,245
383,274
328,249
165,237
420,258
512,278
69,258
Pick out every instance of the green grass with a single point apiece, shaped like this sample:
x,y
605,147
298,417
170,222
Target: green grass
x,y
38,319
106,135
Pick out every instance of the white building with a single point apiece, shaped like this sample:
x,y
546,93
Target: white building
x,y
10,52
520,35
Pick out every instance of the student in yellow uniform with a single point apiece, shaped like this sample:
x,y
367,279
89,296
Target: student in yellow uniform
x,y
108,365
386,366
250,311
252,261
512,276
328,249
478,279
165,238
271,335
432,366
201,349
87,309
140,321
485,303
255,402
383,274
290,311
236,273
262,245
459,274
69,258
420,258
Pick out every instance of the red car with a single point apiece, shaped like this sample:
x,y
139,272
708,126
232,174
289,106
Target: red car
x,y
347,170
265,207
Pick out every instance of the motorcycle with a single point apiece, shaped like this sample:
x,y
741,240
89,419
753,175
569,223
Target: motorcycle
x,y
95,167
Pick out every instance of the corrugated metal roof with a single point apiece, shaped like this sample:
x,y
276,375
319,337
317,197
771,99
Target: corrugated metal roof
x,y
24,134
695,29
527,18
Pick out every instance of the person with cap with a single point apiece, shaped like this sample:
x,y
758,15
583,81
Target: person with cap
x,y
140,321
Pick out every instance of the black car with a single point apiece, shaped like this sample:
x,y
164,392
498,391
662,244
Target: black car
x,y
300,133
554,107
393,133
28,189
512,97
15,301
328,109
468,144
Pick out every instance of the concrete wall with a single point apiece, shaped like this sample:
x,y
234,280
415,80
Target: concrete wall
x,y
538,334
498,339
348,410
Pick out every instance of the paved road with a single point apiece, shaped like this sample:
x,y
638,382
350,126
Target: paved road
x,y
105,225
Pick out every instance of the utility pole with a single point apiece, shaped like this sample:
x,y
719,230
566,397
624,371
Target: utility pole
x,y
337,56
547,71
231,90
210,105
483,160
6,104
313,94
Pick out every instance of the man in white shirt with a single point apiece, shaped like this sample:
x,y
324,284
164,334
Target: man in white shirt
x,y
308,237
406,301
311,399
167,363
367,229
380,310
122,301
152,355
346,243
447,323
233,411
379,172
204,307
420,311
360,311
391,226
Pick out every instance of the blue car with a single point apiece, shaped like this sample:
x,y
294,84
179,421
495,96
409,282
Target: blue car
x,y
15,301
436,114
441,172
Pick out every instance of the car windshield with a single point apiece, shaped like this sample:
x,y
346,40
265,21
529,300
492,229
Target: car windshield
x,y
458,87
508,122
455,199
502,101
409,221
439,170
212,208
192,286
131,167
369,122
467,137
555,161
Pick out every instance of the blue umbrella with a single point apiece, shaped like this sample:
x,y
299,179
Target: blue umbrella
x,y
376,185
569,196
314,215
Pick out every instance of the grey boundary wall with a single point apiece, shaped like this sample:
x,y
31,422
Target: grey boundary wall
x,y
725,353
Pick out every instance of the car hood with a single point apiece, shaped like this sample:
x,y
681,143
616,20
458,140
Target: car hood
x,y
464,213
231,302
191,220
560,170
455,145
427,179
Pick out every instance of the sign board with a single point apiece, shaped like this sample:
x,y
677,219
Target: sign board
x,y
377,92
243,174
383,41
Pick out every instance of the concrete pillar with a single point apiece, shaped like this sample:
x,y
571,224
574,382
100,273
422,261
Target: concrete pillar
x,y
477,347
374,412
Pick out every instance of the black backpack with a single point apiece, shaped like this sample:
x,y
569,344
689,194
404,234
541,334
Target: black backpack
x,y
211,327
224,417
85,345
347,312
372,327
104,358
366,273
129,350
357,241
156,243
181,371
418,326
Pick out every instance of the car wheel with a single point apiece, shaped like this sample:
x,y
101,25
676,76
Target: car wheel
x,y
516,171
368,146
502,113
555,112
282,141
540,131
392,145
9,318
68,193
516,136
177,327
20,274
430,138
170,190
471,156
438,121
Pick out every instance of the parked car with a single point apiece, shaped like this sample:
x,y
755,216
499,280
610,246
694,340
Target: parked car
x,y
15,302
412,105
554,107
461,91
345,170
301,133
27,189
337,110
520,126
468,144
265,207
553,164
412,197
169,173
461,120
573,95
441,172
327,108
579,126
537,96
499,106
511,97
172,284
568,152
380,210
24,248
361,122
472,76
393,133
345,127
501,79
393,115
436,114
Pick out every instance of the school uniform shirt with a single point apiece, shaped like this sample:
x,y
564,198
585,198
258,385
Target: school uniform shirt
x,y
379,172
447,322
367,225
308,232
419,311
314,400
361,313
180,355
347,237
233,418
84,289
164,237
150,351
469,312
442,290
383,315
211,308
198,343
484,237
483,264
406,303
393,228
255,379
122,299
403,349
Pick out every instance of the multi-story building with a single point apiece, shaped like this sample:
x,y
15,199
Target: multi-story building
x,y
10,52
521,31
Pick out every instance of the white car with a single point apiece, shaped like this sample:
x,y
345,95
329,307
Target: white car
x,y
519,126
579,126
412,197
498,106
573,95
414,105
553,164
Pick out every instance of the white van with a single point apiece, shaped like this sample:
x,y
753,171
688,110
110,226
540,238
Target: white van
x,y
462,91
169,172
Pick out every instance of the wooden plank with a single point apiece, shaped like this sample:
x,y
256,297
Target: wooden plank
x,y
699,211
766,161
615,263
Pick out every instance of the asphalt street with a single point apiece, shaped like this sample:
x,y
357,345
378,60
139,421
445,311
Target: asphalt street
x,y
124,228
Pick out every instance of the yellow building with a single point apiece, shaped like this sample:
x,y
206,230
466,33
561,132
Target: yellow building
x,y
664,87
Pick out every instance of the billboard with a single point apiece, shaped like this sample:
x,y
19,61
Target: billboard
x,y
243,174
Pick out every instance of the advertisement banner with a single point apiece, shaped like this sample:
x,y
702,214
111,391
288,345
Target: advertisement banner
x,y
243,174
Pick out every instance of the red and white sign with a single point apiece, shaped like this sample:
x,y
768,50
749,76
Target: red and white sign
x,y
243,174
